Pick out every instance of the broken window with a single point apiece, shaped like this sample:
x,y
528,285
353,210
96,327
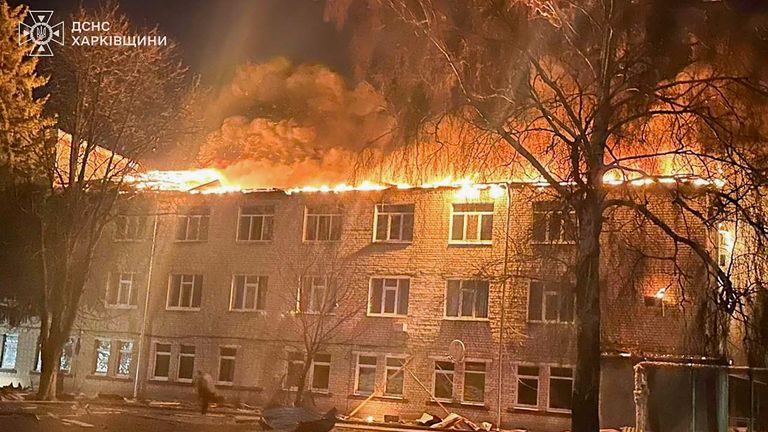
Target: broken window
x,y
471,223
124,358
122,289
227,364
365,381
10,349
443,380
395,376
393,223
560,388
315,295
186,363
103,349
130,227
321,372
527,386
467,299
185,291
551,302
255,223
295,369
249,293
322,223
162,361
193,226
389,296
551,224
474,382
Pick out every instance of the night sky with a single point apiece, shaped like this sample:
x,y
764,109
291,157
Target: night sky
x,y
216,36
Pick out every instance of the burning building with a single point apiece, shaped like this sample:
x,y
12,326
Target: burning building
x,y
413,299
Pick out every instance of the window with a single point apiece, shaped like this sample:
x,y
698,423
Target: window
x,y
560,388
10,349
295,368
389,296
472,223
315,296
193,226
255,223
724,247
322,223
393,223
395,376
550,224
443,381
124,358
551,302
186,363
185,291
249,293
130,227
321,372
467,299
227,364
122,289
103,349
162,361
365,379
65,362
474,382
528,386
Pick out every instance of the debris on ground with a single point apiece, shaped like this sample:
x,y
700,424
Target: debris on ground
x,y
12,392
428,420
164,404
71,422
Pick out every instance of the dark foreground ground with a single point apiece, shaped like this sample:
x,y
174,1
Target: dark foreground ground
x,y
75,417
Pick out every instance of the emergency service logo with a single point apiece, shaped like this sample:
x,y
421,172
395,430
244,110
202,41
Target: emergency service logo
x,y
39,33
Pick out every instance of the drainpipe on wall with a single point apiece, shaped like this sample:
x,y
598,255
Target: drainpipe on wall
x,y
503,309
143,330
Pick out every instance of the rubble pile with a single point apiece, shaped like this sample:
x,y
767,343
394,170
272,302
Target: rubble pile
x,y
12,392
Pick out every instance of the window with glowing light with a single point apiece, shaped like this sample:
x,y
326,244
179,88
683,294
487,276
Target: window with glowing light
x,y
186,363
442,386
227,357
130,227
162,363
193,225
551,302
365,376
551,224
724,246
67,354
471,223
249,293
560,388
393,223
124,358
527,395
389,296
474,382
322,223
102,351
185,291
395,376
121,290
9,351
466,299
316,296
256,223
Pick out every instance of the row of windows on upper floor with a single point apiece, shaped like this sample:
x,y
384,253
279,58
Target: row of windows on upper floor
x,y
466,299
392,223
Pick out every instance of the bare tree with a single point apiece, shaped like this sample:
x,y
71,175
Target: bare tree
x,y
116,104
587,98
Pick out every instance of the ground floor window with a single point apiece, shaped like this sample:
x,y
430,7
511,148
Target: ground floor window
x,y
395,376
474,382
227,364
67,355
443,380
365,379
9,350
560,388
527,386
186,363
124,358
102,349
162,361
321,372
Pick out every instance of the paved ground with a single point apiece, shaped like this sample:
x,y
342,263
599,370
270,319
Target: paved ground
x,y
74,417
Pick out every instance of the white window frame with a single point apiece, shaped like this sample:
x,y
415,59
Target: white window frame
x,y
544,294
538,379
96,351
2,351
339,214
227,357
452,378
256,293
188,218
460,301
131,220
181,291
120,353
481,214
155,352
384,289
311,374
377,213
250,217
311,307
388,368
549,385
486,363
119,286
375,367
181,355
288,364
72,340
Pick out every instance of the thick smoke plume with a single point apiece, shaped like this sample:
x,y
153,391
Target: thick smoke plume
x,y
287,125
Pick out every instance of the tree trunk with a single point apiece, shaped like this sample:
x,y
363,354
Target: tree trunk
x,y
299,399
50,353
586,391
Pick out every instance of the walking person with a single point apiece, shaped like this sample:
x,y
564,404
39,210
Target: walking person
x,y
206,391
